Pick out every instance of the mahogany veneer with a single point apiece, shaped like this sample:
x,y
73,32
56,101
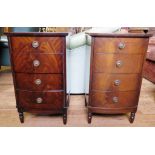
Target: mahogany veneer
x,y
49,63
116,73
39,72
48,81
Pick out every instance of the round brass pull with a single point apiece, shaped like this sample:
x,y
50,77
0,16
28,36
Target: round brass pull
x,y
39,100
35,44
119,63
121,45
115,99
36,63
117,82
37,81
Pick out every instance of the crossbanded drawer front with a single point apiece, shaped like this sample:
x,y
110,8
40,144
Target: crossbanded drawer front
x,y
38,63
118,63
114,99
37,44
121,45
41,100
39,82
115,82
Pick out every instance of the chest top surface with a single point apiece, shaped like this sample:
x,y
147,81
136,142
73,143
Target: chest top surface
x,y
39,34
120,35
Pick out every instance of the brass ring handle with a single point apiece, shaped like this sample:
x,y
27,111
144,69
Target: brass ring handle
x,y
115,99
37,81
35,44
119,63
117,82
39,100
121,45
36,63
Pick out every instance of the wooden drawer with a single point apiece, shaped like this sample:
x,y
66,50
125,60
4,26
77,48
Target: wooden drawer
x,y
122,45
114,99
40,100
115,82
118,63
39,82
45,44
38,63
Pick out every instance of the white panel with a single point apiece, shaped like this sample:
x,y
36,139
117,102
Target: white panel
x,y
87,68
68,70
77,70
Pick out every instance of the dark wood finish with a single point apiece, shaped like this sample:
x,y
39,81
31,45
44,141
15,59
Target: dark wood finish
x,y
132,117
120,35
108,82
89,117
21,117
38,62
36,34
100,110
47,81
111,45
45,44
105,99
107,63
116,73
49,63
50,100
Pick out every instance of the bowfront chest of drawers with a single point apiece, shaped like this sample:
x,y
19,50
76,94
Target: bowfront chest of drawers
x,y
116,73
39,72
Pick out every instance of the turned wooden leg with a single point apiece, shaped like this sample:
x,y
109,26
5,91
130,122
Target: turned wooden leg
x,y
21,117
85,102
132,117
65,116
68,100
89,117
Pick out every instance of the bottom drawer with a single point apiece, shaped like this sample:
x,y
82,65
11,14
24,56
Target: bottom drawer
x,y
40,100
114,99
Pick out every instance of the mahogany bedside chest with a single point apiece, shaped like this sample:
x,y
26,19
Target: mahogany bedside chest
x,y
116,73
39,72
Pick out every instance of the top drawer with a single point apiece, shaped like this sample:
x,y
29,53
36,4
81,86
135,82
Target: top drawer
x,y
123,45
37,44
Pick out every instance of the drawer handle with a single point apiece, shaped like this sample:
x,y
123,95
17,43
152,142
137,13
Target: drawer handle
x,y
39,100
117,82
119,63
36,63
121,45
115,99
37,81
35,44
